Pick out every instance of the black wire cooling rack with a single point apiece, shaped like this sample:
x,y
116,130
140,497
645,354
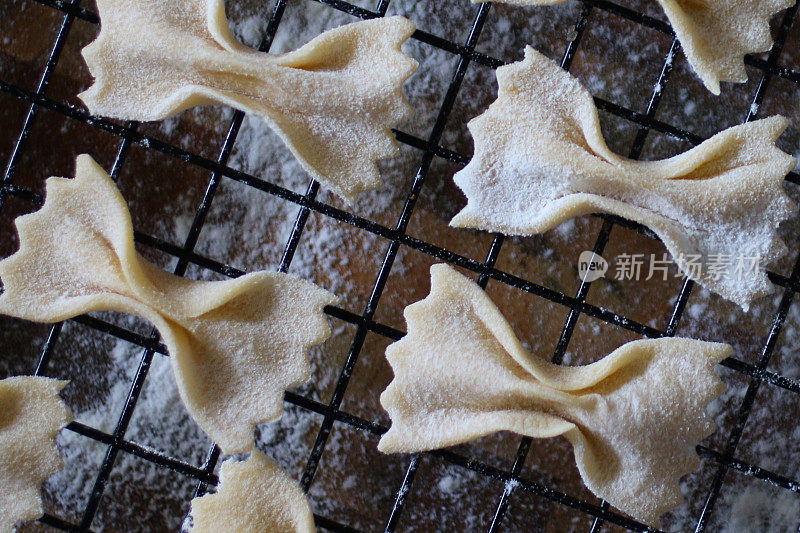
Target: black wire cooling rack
x,y
430,148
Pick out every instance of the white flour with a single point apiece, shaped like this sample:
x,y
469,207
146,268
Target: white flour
x,y
247,229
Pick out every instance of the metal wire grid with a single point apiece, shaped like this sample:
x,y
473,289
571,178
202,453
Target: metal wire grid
x,y
430,148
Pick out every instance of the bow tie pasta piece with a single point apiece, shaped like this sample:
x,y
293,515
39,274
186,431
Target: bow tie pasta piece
x,y
254,496
235,345
31,414
715,34
540,159
633,418
332,101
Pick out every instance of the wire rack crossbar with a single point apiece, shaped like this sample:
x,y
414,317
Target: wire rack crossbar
x,y
465,54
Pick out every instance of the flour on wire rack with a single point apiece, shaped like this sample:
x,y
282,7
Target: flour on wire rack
x,y
247,229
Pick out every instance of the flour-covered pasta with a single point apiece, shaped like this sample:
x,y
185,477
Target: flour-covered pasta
x,y
633,417
332,101
235,345
540,158
254,496
715,34
31,414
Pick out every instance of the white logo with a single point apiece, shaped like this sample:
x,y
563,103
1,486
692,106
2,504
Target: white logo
x,y
591,266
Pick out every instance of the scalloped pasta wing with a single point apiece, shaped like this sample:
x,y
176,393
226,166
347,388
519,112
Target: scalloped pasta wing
x,y
633,418
715,34
254,496
235,345
31,415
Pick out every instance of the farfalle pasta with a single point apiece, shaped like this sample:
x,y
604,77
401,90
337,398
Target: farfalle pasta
x,y
715,34
253,496
235,345
332,101
540,158
31,414
633,418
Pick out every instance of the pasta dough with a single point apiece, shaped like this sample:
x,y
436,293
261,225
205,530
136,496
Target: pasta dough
x,y
235,345
31,414
633,418
540,158
715,34
254,496
332,101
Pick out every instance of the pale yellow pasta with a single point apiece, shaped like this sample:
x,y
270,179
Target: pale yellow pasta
x,y
235,345
715,34
633,417
540,158
332,101
253,496
31,414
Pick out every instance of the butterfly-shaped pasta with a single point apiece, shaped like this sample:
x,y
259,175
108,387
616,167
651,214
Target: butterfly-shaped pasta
x,y
540,158
633,418
234,345
332,101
